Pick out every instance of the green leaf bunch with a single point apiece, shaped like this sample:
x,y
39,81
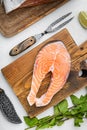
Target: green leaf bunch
x,y
62,113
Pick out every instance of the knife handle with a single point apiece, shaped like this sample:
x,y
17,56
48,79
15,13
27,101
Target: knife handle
x,y
22,46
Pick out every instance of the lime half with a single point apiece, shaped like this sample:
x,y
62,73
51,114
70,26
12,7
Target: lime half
x,y
83,19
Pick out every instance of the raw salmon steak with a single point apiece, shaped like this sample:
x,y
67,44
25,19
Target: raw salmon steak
x,y
53,58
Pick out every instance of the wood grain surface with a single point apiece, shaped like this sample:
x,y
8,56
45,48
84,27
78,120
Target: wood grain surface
x,y
19,73
9,23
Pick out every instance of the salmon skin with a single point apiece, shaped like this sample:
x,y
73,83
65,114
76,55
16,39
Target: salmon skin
x,y
53,58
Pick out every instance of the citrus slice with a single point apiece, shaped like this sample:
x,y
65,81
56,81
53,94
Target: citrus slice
x,y
83,19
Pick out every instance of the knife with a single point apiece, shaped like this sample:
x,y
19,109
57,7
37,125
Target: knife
x,y
33,39
7,108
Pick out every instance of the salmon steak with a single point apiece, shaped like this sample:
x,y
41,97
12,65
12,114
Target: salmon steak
x,y
53,58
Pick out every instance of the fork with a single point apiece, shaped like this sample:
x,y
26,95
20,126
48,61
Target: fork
x,y
33,39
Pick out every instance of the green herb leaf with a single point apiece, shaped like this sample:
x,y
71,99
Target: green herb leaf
x,y
31,122
77,121
63,106
56,110
53,122
83,98
83,107
75,100
75,111
43,126
59,117
59,123
61,113
44,119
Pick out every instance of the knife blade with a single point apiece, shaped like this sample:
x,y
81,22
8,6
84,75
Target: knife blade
x,y
8,109
33,39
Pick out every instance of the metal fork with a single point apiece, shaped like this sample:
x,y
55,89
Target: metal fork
x,y
33,39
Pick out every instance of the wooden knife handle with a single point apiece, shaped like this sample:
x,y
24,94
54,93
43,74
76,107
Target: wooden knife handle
x,y
22,46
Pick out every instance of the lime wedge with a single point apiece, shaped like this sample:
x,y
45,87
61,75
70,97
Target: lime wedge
x,y
83,19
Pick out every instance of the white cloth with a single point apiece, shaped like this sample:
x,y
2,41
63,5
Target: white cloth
x,y
11,4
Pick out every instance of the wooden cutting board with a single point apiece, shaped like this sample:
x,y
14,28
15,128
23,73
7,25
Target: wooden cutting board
x,y
19,73
18,20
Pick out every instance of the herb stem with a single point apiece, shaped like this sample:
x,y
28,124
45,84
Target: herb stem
x,y
27,128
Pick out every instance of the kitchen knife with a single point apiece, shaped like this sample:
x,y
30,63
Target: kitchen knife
x,y
7,108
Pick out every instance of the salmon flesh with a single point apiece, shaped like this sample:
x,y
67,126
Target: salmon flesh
x,y
53,58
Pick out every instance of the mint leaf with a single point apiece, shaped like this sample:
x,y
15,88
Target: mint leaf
x,y
31,122
60,123
44,119
52,122
75,110
63,106
83,107
77,121
56,110
43,126
83,98
46,123
75,100
59,117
